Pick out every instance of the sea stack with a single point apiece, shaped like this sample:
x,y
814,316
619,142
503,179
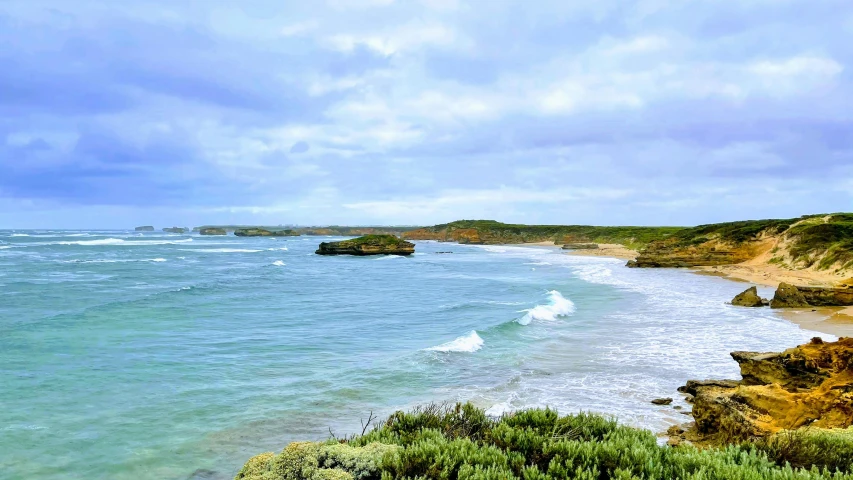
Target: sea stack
x,y
146,228
262,232
179,230
212,231
749,298
368,245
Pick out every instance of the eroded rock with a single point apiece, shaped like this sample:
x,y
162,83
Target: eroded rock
x,y
788,296
368,245
749,298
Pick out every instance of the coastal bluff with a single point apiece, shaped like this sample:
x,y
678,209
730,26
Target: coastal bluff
x,y
262,232
368,245
810,385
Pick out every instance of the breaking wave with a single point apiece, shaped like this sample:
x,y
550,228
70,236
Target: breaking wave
x,y
278,263
466,343
557,306
118,241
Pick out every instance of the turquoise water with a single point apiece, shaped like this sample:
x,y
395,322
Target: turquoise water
x,y
153,356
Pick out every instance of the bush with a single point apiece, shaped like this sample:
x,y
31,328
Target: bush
x,y
461,443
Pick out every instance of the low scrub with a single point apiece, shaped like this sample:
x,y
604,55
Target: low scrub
x,y
461,443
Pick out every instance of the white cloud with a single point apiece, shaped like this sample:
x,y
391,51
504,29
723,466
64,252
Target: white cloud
x,y
299,28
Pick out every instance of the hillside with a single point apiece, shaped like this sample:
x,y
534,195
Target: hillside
x,y
817,243
493,232
332,230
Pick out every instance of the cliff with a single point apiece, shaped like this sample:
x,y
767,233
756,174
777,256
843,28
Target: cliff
x,y
492,232
368,245
822,243
809,385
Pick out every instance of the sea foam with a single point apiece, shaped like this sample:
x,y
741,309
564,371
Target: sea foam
x,y
466,343
118,241
557,306
278,263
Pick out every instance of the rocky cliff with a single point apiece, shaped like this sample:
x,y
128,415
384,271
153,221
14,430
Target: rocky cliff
x,y
816,242
809,385
368,245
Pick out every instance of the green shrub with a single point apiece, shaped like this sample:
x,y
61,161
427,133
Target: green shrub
x,y
461,443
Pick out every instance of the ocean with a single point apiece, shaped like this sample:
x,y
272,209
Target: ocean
x,y
155,356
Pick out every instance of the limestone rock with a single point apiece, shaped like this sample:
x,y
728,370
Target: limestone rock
x,y
212,231
788,296
145,228
662,401
368,245
749,298
179,230
809,385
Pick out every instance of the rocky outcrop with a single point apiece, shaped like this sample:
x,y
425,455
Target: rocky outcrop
x,y
791,296
179,230
261,232
145,228
580,246
368,245
749,298
212,231
809,385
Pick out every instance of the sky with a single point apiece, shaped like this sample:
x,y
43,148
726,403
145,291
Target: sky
x,y
379,112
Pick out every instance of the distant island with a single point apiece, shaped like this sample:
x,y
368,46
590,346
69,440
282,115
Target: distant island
x,y
368,245
146,228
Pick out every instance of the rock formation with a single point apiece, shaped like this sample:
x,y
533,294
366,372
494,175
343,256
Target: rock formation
x,y
368,245
261,232
790,296
580,246
146,228
809,385
176,230
749,298
212,231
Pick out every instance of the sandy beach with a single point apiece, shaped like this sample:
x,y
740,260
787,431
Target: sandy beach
x,y
614,250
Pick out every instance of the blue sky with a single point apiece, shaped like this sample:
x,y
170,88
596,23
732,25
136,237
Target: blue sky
x,y
645,112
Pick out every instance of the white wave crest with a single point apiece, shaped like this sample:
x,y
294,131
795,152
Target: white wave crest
x,y
118,241
123,260
19,235
284,249
278,263
224,250
4,247
557,306
466,343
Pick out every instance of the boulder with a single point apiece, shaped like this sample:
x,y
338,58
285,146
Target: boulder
x,y
145,228
788,296
749,298
662,401
212,231
368,245
809,385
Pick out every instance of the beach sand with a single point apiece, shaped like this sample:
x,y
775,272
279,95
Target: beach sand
x,y
614,250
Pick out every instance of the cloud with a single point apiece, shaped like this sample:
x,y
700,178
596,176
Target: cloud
x,y
383,111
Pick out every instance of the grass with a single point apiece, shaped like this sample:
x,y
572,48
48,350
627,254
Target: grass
x,y
385,240
460,442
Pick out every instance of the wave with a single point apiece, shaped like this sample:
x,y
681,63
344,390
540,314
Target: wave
x,y
223,250
4,247
19,235
278,263
157,260
118,241
277,249
467,343
557,306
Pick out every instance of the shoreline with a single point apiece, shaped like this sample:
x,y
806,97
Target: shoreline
x,y
837,321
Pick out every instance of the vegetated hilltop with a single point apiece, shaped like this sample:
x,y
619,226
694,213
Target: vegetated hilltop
x,y
493,232
332,230
813,242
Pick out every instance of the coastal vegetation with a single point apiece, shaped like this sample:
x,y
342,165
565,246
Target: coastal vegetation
x,y
462,442
493,232
262,232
